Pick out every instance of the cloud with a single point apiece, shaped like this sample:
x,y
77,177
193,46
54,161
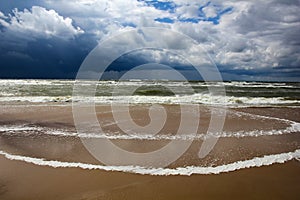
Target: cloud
x,y
40,22
244,38
254,37
2,15
210,12
107,17
269,31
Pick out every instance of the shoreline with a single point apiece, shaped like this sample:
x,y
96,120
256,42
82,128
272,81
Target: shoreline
x,y
277,181
274,181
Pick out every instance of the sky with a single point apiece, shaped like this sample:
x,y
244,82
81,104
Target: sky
x,y
254,40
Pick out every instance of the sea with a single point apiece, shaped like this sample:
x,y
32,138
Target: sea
x,y
237,94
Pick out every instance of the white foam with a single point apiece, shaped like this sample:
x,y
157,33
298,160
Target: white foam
x,y
142,82
295,127
30,130
256,116
35,99
185,171
259,85
292,127
206,99
16,82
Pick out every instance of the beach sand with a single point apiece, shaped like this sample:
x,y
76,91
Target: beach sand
x,y
22,180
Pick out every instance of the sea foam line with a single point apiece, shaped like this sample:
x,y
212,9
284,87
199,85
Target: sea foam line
x,y
29,131
293,127
254,116
184,171
198,98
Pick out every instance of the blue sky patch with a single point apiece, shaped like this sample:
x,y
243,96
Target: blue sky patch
x,y
220,12
171,8
190,20
167,6
165,20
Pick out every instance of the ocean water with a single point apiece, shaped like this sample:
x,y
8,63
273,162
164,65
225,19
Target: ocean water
x,y
237,94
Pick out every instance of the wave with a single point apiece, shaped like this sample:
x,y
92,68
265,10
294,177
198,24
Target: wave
x,y
153,91
184,171
147,97
34,130
239,94
31,130
261,85
140,81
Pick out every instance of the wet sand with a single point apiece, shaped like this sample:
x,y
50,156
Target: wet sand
x,y
20,180
26,181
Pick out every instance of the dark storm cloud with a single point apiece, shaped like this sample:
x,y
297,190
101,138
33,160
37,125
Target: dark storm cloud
x,y
46,58
129,61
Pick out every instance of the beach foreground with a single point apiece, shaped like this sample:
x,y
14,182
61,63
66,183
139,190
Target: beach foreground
x,y
257,152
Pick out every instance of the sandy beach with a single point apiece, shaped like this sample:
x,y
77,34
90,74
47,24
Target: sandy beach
x,y
22,179
149,100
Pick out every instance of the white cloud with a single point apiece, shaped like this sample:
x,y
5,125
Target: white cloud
x,y
266,30
105,17
255,35
210,11
2,19
2,15
188,11
41,22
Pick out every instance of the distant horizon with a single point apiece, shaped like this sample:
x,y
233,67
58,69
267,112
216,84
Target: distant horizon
x,y
162,80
